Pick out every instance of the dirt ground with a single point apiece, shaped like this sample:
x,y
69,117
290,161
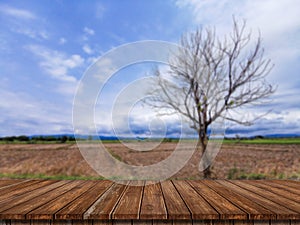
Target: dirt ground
x,y
233,160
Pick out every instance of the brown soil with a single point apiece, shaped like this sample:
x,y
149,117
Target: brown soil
x,y
65,159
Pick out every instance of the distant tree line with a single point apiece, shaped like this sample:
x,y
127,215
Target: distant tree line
x,y
35,139
237,137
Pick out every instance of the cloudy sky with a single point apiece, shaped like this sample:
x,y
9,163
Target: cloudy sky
x,y
46,46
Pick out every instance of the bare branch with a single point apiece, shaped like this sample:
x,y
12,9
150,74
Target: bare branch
x,y
211,77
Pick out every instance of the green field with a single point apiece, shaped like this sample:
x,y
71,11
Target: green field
x,y
282,141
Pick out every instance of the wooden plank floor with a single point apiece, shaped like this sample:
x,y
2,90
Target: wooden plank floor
x,y
168,202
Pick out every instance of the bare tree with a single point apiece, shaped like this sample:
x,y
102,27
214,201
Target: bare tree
x,y
211,77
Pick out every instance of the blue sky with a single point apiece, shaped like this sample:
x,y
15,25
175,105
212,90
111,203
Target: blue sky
x,y
46,46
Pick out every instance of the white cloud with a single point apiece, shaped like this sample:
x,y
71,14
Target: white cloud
x,y
272,17
87,49
26,114
24,22
62,41
103,69
88,31
100,9
57,64
92,60
279,23
30,32
17,13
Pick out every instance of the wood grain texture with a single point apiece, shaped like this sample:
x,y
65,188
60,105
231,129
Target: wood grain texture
x,y
48,210
281,184
37,202
4,183
162,222
153,204
61,222
243,222
261,222
202,222
295,222
176,207
11,203
20,222
104,206
41,222
197,205
77,208
278,191
254,210
224,207
293,205
129,204
19,211
12,193
13,187
280,211
102,222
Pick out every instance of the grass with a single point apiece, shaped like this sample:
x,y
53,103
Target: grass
x,y
240,174
233,174
237,174
35,142
283,141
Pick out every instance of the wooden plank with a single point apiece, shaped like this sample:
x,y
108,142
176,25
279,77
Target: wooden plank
x,y
293,205
280,222
11,202
254,210
296,182
243,222
278,191
122,222
130,203
19,211
104,206
202,222
48,210
223,222
9,188
102,222
84,222
197,205
4,222
62,222
162,222
280,211
4,183
20,222
153,204
261,222
182,222
27,188
142,222
80,205
175,205
40,222
289,183
281,185
224,207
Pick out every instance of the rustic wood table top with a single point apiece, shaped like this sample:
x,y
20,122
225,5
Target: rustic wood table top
x,y
210,200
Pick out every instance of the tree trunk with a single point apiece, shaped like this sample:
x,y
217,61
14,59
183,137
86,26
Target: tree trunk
x,y
207,173
202,143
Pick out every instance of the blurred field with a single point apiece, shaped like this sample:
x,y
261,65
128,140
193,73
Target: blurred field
x,y
234,161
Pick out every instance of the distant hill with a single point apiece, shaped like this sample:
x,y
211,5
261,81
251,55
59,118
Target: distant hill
x,y
112,138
